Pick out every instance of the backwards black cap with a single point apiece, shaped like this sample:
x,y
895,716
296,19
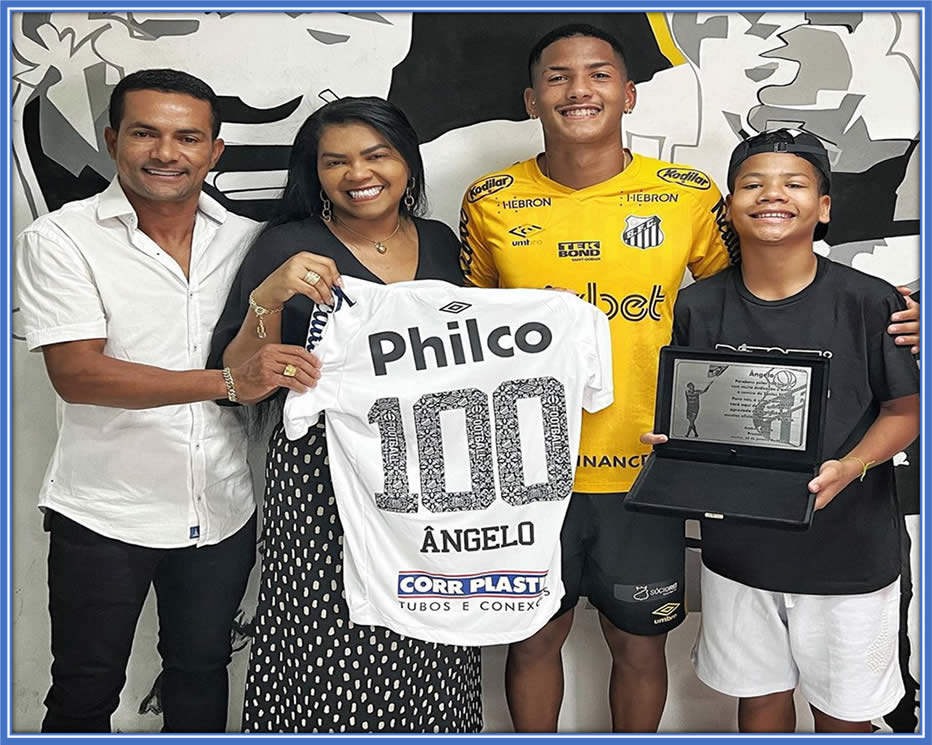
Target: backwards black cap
x,y
793,141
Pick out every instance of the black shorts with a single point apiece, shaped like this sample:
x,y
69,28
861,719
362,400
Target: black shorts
x,y
630,565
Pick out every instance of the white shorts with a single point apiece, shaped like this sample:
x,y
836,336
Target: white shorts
x,y
841,650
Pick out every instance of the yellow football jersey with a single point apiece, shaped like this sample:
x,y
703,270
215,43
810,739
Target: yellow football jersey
x,y
622,245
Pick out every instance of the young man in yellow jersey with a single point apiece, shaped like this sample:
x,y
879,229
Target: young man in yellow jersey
x,y
618,229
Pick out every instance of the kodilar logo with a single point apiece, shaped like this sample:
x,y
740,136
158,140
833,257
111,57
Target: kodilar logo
x,y
686,177
488,186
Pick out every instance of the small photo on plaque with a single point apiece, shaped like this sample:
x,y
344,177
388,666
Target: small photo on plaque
x,y
744,436
740,403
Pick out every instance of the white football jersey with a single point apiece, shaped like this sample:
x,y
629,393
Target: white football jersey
x,y
453,420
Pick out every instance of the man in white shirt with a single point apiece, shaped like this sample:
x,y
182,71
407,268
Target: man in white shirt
x,y
148,483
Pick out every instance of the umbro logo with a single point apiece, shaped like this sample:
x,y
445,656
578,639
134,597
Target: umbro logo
x,y
456,306
665,612
523,231
667,609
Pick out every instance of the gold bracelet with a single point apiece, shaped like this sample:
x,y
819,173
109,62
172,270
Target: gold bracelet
x,y
231,388
260,311
864,464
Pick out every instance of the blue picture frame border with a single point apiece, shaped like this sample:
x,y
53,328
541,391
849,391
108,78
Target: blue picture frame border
x,y
7,8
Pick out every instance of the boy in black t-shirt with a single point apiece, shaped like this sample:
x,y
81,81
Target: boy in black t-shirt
x,y
817,609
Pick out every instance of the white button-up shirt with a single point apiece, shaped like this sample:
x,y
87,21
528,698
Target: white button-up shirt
x,y
164,477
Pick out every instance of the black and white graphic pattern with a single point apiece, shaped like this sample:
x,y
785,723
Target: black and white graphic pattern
x,y
386,413
552,396
475,406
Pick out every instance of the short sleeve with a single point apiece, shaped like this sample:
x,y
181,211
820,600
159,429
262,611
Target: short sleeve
x,y
476,260
715,244
57,292
599,390
892,370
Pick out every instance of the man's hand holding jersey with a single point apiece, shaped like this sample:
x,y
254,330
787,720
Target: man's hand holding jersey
x,y
267,370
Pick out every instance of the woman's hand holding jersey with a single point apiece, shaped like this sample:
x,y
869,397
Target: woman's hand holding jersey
x,y
302,274
260,363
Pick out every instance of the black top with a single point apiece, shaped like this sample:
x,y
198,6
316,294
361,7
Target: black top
x,y
853,544
438,258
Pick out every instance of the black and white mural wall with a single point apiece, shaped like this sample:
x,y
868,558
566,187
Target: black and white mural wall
x,y
704,81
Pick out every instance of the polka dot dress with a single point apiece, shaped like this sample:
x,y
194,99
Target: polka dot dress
x,y
310,668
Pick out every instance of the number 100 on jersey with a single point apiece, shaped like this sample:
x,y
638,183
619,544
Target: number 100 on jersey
x,y
513,408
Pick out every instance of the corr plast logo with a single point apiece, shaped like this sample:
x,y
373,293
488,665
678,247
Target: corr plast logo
x,y
665,612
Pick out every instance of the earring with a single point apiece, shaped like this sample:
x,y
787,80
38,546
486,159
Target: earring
x,y
325,212
629,109
409,197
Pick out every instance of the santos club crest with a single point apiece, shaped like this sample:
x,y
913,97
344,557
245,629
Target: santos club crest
x,y
642,232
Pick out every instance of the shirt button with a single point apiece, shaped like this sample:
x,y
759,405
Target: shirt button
x,y
197,446
194,347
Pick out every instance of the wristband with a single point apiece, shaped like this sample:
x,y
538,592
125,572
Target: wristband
x,y
231,388
864,464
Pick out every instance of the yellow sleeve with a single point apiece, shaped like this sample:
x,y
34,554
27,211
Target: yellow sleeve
x,y
476,258
715,244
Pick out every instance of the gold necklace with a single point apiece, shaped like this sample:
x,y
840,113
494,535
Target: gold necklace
x,y
624,164
379,245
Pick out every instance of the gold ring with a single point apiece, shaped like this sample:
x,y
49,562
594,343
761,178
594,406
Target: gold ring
x,y
311,277
290,371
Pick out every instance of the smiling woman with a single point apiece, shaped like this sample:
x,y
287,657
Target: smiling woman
x,y
355,190
365,179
